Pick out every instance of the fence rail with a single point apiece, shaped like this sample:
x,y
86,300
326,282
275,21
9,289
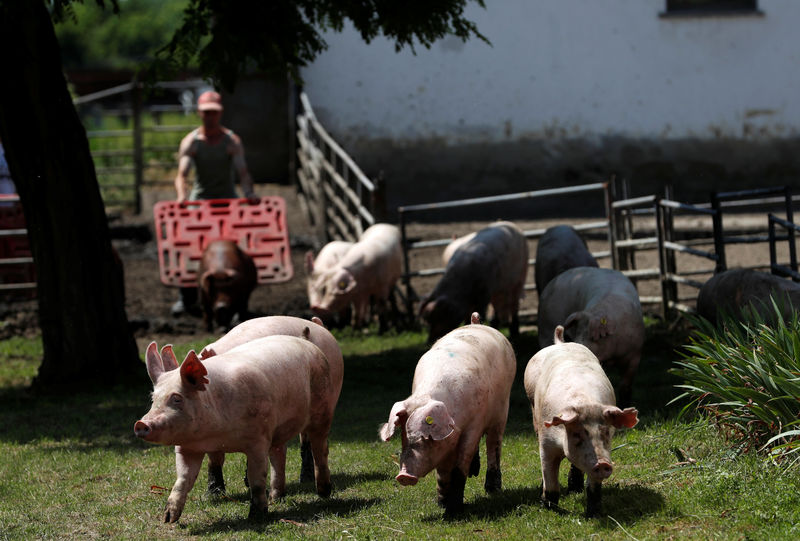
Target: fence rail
x,y
408,246
140,153
336,195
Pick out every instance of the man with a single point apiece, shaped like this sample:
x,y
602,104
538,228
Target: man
x,y
217,155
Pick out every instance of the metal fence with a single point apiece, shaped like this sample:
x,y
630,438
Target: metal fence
x,y
338,198
774,265
410,295
133,143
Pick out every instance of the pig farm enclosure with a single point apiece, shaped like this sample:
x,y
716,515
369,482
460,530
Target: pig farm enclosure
x,y
148,302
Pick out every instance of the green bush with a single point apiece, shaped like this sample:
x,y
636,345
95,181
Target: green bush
x,y
745,375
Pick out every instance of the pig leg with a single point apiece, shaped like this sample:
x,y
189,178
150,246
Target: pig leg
x,y
277,458
307,460
450,483
593,498
624,394
550,489
187,465
319,449
475,465
360,309
575,479
216,482
257,467
494,478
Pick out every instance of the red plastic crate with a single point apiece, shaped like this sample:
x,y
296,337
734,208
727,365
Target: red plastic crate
x,y
184,230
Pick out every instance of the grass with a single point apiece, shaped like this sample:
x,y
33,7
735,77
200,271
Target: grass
x,y
70,467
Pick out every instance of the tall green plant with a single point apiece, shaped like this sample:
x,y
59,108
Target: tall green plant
x,y
745,375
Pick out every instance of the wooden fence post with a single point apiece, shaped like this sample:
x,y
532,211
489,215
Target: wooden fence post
x,y
719,235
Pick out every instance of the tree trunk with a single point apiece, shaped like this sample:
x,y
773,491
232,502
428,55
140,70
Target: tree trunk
x,y
85,330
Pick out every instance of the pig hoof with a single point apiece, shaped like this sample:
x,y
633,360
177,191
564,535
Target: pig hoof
x,y
276,495
494,481
324,490
550,500
171,515
453,509
257,513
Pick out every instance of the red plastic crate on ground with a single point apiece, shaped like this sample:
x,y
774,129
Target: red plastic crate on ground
x,y
184,230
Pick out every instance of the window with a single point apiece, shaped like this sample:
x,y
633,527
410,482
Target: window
x,y
711,7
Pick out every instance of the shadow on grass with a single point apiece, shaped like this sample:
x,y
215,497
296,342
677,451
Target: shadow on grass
x,y
302,512
626,504
340,481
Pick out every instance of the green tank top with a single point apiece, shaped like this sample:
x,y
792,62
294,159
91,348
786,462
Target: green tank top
x,y
214,171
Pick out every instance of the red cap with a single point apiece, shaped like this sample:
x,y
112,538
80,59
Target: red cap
x,y
209,101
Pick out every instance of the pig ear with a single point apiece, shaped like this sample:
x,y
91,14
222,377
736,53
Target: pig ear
x,y
601,327
309,262
426,308
566,417
345,282
626,418
193,373
558,335
433,421
155,367
207,353
168,358
572,320
475,318
397,417
318,321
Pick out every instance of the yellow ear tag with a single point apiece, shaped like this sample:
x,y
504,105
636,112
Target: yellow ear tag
x,y
603,321
429,420
342,284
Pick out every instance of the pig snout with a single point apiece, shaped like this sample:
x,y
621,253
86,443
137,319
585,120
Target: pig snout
x,y
602,469
406,479
143,430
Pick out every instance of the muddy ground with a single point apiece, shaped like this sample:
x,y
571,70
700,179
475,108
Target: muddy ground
x,y
148,302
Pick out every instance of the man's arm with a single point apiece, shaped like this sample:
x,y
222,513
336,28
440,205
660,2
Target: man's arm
x,y
241,168
184,167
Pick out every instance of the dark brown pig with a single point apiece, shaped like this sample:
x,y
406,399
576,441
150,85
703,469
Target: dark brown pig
x,y
460,392
269,326
559,249
250,400
226,278
574,415
732,291
600,309
489,267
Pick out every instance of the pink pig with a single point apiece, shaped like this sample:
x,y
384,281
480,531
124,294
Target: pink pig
x,y
251,400
270,326
460,392
327,258
369,269
574,415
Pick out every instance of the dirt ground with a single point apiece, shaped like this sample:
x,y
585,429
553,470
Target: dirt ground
x,y
148,302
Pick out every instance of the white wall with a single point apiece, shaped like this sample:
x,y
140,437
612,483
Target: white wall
x,y
570,68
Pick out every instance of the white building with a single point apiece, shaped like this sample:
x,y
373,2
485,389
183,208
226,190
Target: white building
x,y
571,91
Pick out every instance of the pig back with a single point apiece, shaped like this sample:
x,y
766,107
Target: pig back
x,y
377,252
564,375
731,291
583,289
262,327
471,369
294,371
560,249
